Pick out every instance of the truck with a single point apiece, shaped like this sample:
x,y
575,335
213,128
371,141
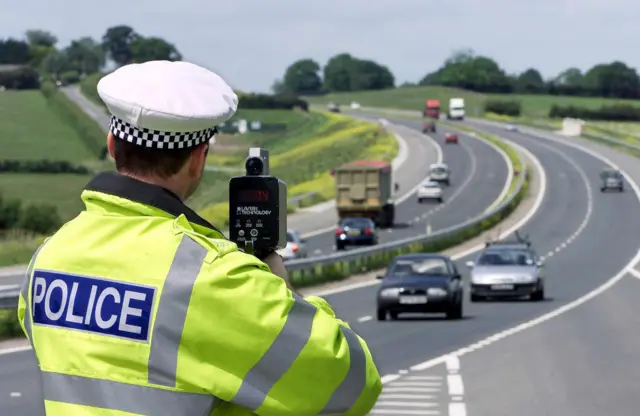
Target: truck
x,y
365,189
432,109
456,109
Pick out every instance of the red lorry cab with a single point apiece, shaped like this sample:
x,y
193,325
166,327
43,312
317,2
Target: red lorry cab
x,y
432,109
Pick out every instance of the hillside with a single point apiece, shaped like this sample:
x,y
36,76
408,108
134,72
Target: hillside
x,y
413,98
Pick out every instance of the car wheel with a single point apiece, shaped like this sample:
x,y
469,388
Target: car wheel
x,y
382,315
420,200
393,315
602,189
455,311
339,247
622,189
476,298
538,295
440,200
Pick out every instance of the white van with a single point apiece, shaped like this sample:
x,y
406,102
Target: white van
x,y
456,109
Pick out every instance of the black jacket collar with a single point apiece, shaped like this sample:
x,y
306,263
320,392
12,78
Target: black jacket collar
x,y
126,187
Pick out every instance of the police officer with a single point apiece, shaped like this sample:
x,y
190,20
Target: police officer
x,y
139,306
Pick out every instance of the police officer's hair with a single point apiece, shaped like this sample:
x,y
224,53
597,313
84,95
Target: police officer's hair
x,y
140,160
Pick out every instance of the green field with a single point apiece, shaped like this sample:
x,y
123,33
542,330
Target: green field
x,y
30,130
413,98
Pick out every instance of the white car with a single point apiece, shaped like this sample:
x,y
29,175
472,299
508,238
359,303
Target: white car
x,y
429,190
511,127
439,172
296,248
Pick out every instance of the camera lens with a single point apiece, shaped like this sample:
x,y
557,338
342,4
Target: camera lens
x,y
254,166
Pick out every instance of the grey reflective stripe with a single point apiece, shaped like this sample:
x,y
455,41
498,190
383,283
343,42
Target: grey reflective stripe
x,y
123,397
24,291
172,312
346,395
279,357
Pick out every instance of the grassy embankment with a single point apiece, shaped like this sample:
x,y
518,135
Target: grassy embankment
x,y
30,129
304,158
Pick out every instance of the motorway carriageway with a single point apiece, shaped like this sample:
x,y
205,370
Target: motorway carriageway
x,y
586,238
478,178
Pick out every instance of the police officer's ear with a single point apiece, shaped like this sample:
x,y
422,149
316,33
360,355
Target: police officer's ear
x,y
111,145
198,159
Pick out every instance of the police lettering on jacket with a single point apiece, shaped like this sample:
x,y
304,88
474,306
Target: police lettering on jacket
x,y
91,304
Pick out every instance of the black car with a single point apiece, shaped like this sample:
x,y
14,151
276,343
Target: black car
x,y
420,283
356,232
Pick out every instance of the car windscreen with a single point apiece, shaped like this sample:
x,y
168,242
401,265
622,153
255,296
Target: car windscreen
x,y
355,223
505,257
418,267
430,185
439,170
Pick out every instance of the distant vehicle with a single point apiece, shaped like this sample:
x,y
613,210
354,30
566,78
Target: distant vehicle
x,y
510,127
456,109
333,107
432,109
295,248
429,127
507,269
355,105
451,138
420,283
365,188
439,172
428,191
611,179
356,232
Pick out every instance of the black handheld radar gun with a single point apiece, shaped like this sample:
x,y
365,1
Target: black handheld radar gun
x,y
258,207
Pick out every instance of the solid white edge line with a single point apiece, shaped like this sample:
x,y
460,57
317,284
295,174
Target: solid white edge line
x,y
536,206
563,309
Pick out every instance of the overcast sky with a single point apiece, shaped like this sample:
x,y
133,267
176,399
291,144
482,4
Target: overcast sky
x,y
251,42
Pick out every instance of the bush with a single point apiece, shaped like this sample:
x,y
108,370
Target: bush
x,y
89,88
617,112
39,219
24,78
70,77
9,324
41,166
88,130
505,108
271,102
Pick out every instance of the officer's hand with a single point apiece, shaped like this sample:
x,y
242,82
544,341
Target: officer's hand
x,y
276,264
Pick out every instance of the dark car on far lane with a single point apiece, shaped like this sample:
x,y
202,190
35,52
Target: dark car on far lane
x,y
356,232
420,283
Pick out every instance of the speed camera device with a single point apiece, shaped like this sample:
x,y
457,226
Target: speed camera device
x,y
258,207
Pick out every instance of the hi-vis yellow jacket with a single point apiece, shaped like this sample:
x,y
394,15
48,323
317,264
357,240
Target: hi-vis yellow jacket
x,y
140,307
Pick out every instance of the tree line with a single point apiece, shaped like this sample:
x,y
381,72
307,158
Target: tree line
x,y
464,69
24,62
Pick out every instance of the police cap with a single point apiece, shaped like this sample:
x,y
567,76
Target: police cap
x,y
166,105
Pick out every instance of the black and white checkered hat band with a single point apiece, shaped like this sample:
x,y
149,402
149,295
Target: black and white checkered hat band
x,y
159,139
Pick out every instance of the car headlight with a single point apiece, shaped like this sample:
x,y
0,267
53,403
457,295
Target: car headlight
x,y
390,293
436,291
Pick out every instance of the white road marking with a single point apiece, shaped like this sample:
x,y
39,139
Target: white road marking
x,y
15,394
411,389
453,363
406,397
634,272
364,319
423,377
415,384
456,387
405,412
457,409
389,377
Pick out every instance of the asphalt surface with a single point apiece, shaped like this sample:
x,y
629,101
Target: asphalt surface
x,y
582,362
478,176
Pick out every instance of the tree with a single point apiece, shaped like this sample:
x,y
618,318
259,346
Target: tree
x,y
41,38
14,52
615,80
530,81
85,55
302,77
278,87
151,49
344,72
116,42
55,63
571,77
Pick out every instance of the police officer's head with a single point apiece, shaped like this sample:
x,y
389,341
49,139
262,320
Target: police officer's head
x,y
164,115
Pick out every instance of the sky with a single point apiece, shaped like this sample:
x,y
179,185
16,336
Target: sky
x,y
251,42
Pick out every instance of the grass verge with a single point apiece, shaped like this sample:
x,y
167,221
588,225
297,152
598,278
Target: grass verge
x,y
413,98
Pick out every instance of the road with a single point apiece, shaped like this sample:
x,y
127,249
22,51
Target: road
x,y
479,175
581,362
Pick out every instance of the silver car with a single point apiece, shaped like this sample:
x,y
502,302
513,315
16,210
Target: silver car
x,y
507,270
611,179
296,247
